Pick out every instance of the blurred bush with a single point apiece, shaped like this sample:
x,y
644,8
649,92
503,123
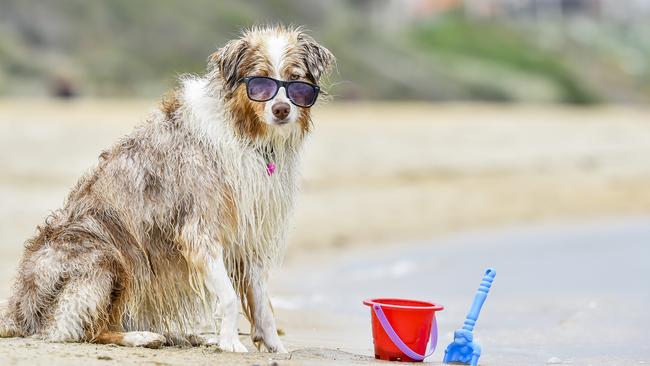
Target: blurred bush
x,y
386,49
493,46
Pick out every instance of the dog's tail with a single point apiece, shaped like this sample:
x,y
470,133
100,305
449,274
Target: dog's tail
x,y
8,327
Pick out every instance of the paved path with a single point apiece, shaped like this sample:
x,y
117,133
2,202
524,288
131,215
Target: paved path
x,y
576,293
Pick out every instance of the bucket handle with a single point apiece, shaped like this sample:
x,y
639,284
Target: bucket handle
x,y
379,312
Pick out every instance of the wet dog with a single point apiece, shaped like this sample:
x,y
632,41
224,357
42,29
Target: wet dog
x,y
182,219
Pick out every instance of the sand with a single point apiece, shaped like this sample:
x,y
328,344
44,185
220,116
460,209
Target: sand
x,y
374,175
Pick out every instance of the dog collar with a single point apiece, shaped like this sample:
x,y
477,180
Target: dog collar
x,y
270,168
270,165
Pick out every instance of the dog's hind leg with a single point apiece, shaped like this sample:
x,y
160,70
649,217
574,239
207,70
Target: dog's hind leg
x,y
39,281
81,314
80,309
131,339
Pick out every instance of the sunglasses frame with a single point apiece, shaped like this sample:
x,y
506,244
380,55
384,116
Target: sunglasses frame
x,y
281,84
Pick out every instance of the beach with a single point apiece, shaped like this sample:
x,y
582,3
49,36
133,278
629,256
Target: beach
x,y
377,178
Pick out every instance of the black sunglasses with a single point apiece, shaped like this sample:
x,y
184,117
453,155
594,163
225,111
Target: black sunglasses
x,y
262,89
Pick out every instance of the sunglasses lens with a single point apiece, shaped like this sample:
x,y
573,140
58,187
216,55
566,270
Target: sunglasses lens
x,y
302,94
261,89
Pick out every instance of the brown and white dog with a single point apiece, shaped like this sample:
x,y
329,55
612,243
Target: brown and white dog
x,y
180,220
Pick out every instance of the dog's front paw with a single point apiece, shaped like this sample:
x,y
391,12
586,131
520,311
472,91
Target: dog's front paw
x,y
271,342
227,344
277,348
232,345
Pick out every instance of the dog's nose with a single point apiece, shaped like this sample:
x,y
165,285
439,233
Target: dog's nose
x,y
281,110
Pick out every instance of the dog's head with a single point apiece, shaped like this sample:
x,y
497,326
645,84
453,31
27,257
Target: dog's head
x,y
279,54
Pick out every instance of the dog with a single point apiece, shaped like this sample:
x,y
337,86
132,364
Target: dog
x,y
182,219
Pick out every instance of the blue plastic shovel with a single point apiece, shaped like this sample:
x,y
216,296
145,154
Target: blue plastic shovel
x,y
463,349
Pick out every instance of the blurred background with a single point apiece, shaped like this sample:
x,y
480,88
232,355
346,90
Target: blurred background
x,y
448,116
570,51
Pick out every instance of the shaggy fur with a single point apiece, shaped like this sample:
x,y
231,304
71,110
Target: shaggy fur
x,y
179,219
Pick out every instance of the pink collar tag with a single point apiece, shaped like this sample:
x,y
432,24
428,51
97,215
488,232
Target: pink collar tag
x,y
270,168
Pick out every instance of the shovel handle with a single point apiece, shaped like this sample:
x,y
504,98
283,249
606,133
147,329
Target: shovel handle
x,y
479,299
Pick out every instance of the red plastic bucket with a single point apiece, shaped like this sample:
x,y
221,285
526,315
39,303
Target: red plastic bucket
x,y
401,329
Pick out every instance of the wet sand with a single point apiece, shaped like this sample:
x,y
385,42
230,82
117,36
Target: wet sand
x,y
374,175
573,292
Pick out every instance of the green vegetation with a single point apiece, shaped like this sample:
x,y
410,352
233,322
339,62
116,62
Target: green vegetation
x,y
124,47
455,37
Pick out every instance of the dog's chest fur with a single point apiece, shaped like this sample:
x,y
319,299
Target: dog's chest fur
x,y
253,205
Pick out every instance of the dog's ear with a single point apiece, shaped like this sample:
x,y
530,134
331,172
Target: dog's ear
x,y
319,60
227,62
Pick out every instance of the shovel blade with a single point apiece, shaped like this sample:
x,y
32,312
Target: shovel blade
x,y
462,350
